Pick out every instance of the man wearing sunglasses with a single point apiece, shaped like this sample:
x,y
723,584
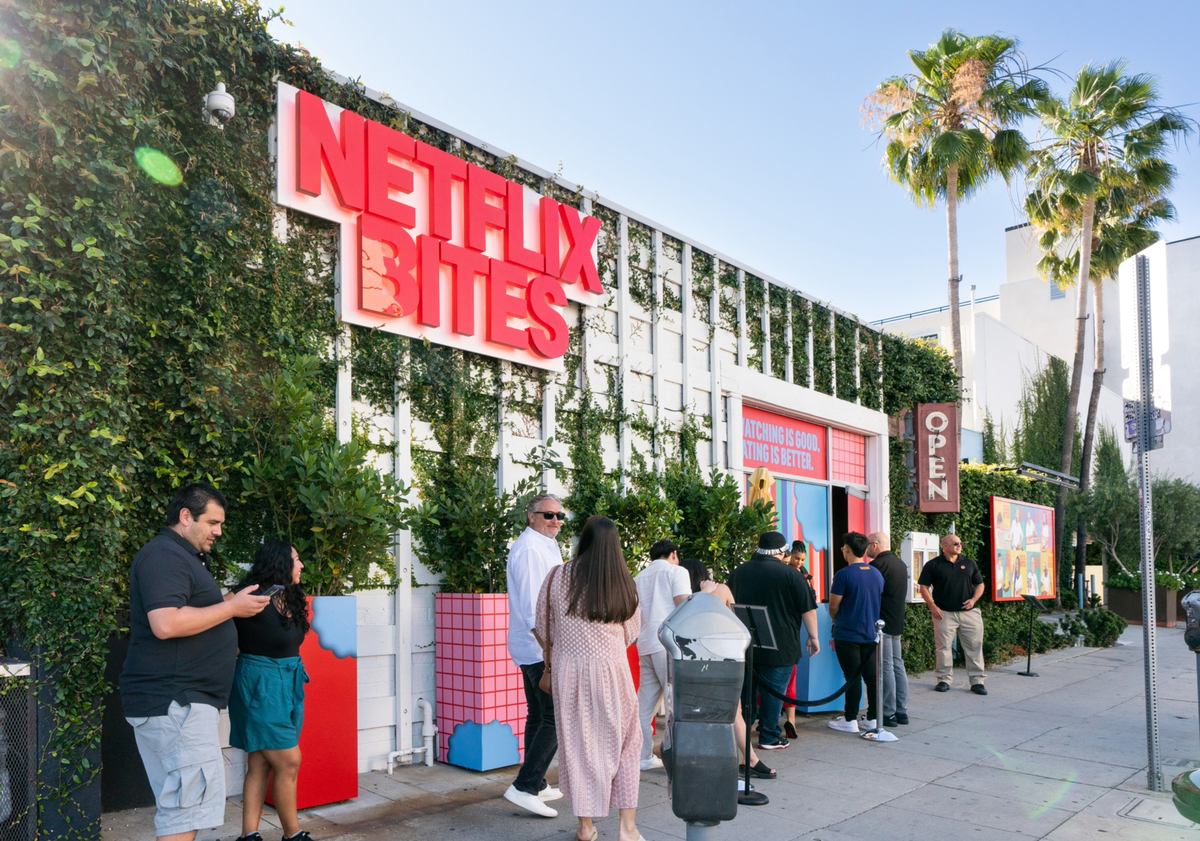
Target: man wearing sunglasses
x,y
531,559
956,585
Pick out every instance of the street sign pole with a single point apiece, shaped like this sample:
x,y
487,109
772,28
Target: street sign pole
x,y
1143,443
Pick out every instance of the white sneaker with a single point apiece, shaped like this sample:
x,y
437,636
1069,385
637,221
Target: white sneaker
x,y
549,793
529,802
866,724
651,763
842,726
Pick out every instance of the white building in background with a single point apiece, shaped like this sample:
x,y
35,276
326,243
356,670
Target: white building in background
x,y
1008,337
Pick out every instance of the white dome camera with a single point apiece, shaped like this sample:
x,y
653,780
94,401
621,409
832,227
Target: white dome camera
x,y
218,107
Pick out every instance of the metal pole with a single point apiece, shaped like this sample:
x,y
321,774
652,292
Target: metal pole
x,y
1142,443
878,676
701,831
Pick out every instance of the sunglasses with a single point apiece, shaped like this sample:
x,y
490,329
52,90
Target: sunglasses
x,y
552,515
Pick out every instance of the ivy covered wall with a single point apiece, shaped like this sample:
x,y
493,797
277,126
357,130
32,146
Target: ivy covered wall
x,y
150,290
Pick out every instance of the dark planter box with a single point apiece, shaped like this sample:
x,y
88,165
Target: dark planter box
x,y
1128,603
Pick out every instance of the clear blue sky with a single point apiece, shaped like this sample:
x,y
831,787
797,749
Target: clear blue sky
x,y
739,124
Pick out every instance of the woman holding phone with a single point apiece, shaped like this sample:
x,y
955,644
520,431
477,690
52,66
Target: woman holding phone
x,y
266,708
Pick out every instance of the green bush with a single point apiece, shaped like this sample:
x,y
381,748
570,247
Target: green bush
x,y
463,529
1100,627
325,497
643,518
713,524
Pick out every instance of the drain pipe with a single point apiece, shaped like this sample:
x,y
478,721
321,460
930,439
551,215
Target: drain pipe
x,y
428,731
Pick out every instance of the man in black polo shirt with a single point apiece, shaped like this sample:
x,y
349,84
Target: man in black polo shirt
x,y
894,703
179,671
766,581
957,586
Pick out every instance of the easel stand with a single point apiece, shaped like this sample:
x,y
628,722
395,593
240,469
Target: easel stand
x,y
762,636
1034,607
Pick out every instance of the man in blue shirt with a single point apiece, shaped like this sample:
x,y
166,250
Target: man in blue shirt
x,y
854,600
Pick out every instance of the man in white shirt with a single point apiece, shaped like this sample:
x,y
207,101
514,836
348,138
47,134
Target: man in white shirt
x,y
661,586
530,560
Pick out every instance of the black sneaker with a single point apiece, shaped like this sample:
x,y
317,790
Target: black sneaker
x,y
759,769
782,744
302,835
902,718
942,687
253,836
890,721
979,689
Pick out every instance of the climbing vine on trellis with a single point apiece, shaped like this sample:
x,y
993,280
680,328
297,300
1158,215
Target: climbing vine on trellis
x,y
822,352
801,315
780,351
846,345
727,307
756,299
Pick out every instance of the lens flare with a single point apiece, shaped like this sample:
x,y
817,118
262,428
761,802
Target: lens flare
x,y
158,166
10,53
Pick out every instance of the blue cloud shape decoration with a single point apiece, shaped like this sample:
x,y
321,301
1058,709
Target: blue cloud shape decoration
x,y
335,622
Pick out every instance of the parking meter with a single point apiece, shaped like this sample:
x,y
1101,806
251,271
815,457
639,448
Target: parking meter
x,y
1191,607
706,647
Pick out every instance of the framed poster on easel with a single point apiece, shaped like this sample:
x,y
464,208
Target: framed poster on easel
x,y
1022,552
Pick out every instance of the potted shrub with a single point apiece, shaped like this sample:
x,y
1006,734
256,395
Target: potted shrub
x,y
1125,596
462,528
341,513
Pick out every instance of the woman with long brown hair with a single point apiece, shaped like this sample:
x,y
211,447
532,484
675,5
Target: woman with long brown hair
x,y
588,612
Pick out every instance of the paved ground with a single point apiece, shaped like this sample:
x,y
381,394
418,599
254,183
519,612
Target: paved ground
x,y
1060,757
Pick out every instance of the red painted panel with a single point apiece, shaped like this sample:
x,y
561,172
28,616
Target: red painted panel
x,y
329,739
849,457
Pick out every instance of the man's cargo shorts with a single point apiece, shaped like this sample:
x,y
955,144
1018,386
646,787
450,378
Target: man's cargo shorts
x,y
182,754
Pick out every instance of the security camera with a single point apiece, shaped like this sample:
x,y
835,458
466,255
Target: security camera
x,y
218,107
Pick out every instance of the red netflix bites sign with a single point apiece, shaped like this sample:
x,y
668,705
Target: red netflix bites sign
x,y
432,246
937,457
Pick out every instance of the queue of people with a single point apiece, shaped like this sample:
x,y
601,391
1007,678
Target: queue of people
x,y
194,651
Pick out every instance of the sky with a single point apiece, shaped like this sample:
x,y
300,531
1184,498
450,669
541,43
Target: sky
x,y
738,125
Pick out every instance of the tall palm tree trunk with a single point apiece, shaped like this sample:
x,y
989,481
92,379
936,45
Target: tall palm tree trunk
x,y
1082,284
1089,429
952,244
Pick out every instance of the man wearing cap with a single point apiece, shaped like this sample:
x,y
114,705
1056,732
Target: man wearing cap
x,y
956,585
765,580
661,586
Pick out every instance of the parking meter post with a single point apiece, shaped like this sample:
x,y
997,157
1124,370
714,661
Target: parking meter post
x,y
1191,633
706,651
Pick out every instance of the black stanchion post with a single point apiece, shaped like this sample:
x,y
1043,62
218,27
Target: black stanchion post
x,y
879,734
762,635
1034,607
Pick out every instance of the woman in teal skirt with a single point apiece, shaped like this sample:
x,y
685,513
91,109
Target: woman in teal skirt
x,y
266,709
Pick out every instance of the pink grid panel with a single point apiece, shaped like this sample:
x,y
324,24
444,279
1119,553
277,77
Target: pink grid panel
x,y
849,457
476,679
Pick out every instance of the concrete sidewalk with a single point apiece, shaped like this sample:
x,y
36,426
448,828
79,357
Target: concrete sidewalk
x,y
1061,757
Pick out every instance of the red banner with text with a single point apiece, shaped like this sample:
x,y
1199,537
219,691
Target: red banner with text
x,y
783,445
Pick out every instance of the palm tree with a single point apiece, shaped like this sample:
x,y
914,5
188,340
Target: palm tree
x,y
950,126
1123,225
1108,129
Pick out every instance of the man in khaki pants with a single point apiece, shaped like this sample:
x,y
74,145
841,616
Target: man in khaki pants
x,y
957,586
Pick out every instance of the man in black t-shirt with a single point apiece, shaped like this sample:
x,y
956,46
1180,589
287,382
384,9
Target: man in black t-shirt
x,y
179,670
766,581
894,703
957,586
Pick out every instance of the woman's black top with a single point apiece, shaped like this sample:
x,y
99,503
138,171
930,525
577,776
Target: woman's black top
x,y
266,635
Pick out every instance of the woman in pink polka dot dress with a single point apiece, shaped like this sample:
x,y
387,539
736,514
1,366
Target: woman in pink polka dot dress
x,y
593,618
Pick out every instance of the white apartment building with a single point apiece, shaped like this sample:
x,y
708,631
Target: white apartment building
x,y
1007,338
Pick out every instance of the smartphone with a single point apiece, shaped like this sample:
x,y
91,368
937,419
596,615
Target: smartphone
x,y
270,591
